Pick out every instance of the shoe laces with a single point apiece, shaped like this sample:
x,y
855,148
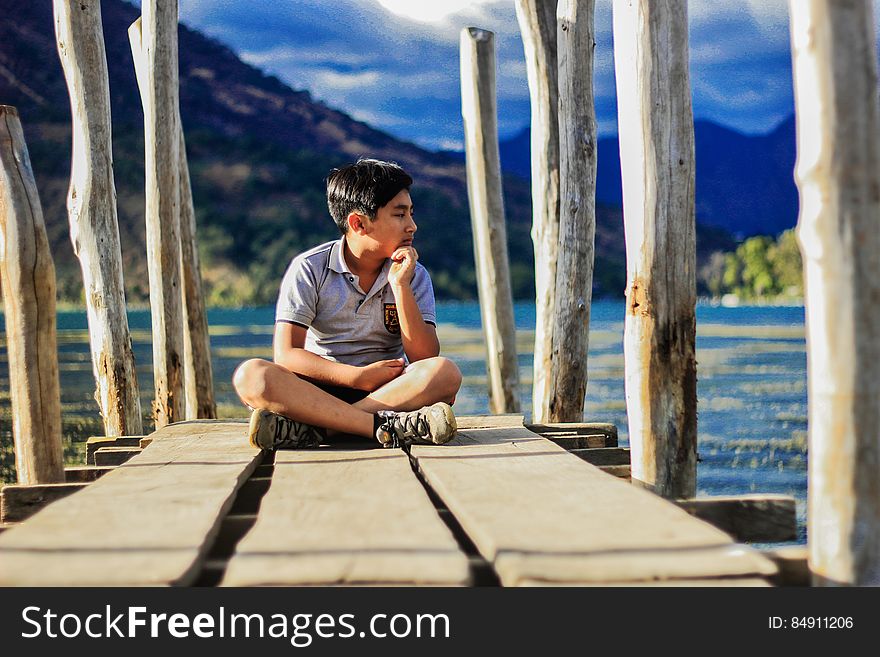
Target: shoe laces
x,y
404,427
290,433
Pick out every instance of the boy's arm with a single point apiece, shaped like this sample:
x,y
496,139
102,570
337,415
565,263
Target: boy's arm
x,y
289,352
419,338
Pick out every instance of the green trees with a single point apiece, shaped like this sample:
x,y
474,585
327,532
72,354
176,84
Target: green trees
x,y
760,268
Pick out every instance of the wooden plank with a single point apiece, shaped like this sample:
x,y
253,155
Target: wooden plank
x,y
83,474
574,442
149,522
726,582
109,456
489,421
346,516
20,501
619,471
560,429
145,442
480,115
540,514
603,455
793,564
758,518
95,443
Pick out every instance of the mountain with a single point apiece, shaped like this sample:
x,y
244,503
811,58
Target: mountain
x,y
258,153
745,184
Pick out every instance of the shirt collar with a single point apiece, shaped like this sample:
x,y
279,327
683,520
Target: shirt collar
x,y
337,257
337,263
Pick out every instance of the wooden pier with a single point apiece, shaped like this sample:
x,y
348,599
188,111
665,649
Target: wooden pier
x,y
499,505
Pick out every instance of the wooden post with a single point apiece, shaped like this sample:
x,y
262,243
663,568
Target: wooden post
x,y
198,374
577,210
655,120
838,167
537,22
197,369
162,141
91,207
28,280
479,111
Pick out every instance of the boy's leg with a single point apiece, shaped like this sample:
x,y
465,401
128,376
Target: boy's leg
x,y
264,385
423,383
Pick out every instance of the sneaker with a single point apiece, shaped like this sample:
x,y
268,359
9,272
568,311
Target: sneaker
x,y
431,425
272,431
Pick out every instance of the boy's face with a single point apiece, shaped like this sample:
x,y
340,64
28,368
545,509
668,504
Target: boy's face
x,y
393,226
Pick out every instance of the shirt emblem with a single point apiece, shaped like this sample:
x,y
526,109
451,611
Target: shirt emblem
x,y
392,323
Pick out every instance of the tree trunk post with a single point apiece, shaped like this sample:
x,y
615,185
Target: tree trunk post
x,y
577,211
479,111
28,279
656,128
537,23
197,369
838,176
198,374
162,141
91,207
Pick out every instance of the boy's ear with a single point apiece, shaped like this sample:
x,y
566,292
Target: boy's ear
x,y
357,222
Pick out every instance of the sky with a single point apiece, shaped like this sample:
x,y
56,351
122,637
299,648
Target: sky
x,y
394,64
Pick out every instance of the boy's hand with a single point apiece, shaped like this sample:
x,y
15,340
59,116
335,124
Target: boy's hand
x,y
403,266
375,375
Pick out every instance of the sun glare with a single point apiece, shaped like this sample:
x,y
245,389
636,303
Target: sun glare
x,y
427,11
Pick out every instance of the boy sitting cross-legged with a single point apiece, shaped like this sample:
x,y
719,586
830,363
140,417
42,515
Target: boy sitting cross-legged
x,y
350,314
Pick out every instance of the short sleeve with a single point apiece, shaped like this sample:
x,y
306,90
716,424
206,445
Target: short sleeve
x,y
423,291
298,297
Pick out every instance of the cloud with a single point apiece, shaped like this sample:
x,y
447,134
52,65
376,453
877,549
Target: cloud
x,y
402,75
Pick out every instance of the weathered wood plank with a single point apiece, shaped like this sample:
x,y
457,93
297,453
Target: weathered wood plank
x,y
27,277
20,501
757,518
109,456
84,474
480,115
619,471
834,59
603,455
91,207
726,582
94,443
657,169
346,516
793,564
566,429
489,421
540,514
149,522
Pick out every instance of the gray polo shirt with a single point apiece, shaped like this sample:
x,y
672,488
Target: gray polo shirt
x,y
345,323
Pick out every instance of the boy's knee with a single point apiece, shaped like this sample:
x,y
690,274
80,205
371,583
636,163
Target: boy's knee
x,y
250,381
445,377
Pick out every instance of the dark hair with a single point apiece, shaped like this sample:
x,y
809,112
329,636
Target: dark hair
x,y
364,187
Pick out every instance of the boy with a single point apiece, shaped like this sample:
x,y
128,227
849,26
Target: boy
x,y
348,313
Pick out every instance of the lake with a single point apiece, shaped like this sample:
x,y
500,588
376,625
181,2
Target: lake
x,y
751,368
